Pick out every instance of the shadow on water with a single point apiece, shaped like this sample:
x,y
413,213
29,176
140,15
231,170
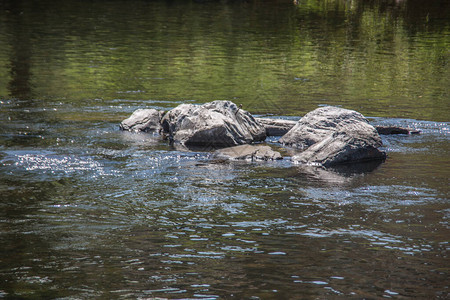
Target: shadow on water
x,y
340,174
21,55
357,168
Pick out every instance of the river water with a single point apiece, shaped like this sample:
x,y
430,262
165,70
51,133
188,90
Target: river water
x,y
90,212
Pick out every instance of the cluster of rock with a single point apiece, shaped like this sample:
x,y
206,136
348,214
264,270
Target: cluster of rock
x,y
326,136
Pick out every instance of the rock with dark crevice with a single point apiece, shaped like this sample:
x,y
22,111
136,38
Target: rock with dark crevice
x,y
331,135
276,127
213,124
341,147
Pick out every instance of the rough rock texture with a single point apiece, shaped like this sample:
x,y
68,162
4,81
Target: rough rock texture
x,y
395,130
147,120
173,118
319,123
276,127
341,147
214,124
332,135
248,152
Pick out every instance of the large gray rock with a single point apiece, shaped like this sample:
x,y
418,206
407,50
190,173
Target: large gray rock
x,y
172,120
248,152
214,124
332,135
341,147
146,120
319,123
276,127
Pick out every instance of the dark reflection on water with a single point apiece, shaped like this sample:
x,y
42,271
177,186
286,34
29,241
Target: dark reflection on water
x,y
379,57
87,211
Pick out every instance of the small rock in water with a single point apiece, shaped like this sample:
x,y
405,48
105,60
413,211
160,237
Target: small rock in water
x,y
276,127
146,120
248,152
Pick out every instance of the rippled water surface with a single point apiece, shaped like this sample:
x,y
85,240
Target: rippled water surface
x,y
88,211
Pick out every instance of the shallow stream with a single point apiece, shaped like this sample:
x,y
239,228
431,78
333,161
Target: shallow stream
x,y
88,211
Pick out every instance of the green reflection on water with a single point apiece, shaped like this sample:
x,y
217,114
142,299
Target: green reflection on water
x,y
382,58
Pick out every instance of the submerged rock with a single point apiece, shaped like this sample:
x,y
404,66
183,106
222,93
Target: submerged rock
x,y
395,130
332,135
214,124
276,127
146,120
248,152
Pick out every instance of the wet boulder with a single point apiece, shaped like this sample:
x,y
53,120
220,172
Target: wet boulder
x,y
213,124
248,152
172,120
341,147
332,135
146,120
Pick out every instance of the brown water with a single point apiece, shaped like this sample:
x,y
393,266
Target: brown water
x,y
87,211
